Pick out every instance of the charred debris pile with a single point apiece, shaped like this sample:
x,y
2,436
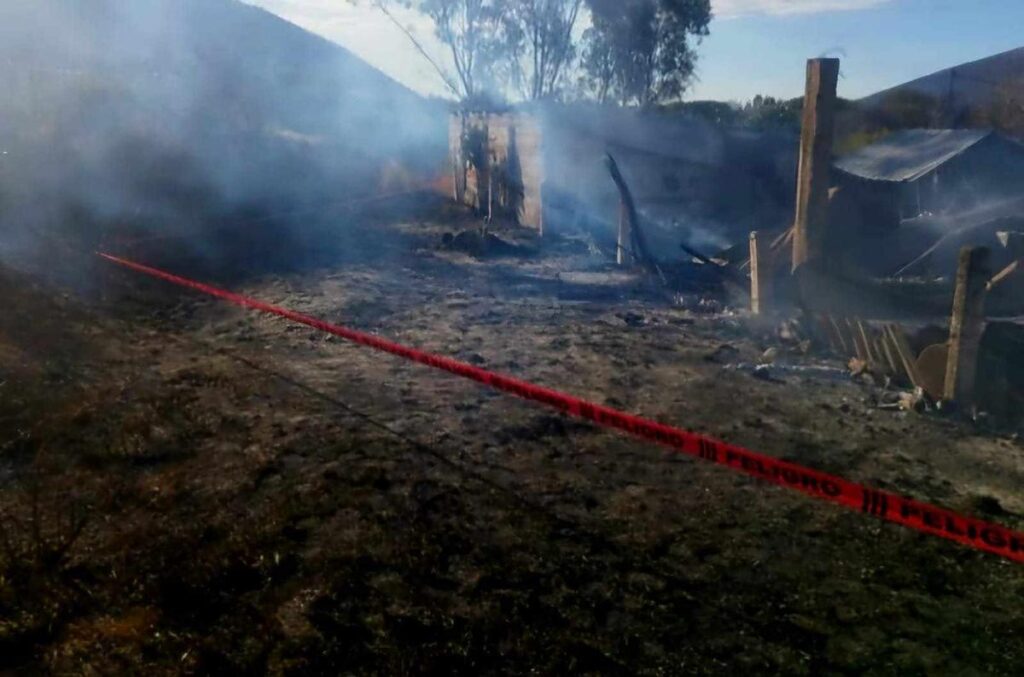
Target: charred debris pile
x,y
901,262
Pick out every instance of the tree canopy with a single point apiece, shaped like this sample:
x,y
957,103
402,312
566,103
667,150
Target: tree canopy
x,y
643,51
634,52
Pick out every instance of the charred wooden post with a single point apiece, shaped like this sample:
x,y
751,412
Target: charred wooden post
x,y
815,156
760,274
639,244
967,324
456,131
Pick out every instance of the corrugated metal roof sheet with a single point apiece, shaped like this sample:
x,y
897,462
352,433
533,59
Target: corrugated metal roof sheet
x,y
910,154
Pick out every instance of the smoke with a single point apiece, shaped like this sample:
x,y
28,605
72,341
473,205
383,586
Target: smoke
x,y
694,182
167,117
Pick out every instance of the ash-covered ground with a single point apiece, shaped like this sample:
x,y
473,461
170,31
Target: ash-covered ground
x,y
186,486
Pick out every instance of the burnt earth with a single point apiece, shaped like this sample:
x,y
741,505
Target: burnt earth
x,y
189,487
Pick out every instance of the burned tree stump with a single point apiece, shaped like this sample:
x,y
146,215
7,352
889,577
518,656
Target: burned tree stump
x,y
966,325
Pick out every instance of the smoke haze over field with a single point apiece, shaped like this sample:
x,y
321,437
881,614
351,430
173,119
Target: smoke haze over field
x,y
169,114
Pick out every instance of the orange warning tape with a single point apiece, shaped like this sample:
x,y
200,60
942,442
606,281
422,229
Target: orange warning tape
x,y
884,505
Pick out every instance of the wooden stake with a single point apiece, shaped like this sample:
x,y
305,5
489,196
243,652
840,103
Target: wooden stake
x,y
815,157
967,325
760,274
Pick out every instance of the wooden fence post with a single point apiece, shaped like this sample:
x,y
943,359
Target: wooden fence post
x,y
815,157
966,325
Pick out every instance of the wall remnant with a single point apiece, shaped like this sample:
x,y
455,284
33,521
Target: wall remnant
x,y
498,165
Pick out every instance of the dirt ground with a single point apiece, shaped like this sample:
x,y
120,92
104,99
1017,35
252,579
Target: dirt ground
x,y
186,486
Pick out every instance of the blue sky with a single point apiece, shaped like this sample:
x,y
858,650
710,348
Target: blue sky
x,y
755,46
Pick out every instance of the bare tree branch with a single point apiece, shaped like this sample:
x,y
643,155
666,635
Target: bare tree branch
x,y
445,76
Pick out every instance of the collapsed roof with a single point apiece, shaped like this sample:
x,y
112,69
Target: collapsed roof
x,y
908,155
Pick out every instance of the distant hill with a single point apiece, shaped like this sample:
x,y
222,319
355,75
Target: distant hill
x,y
197,57
180,110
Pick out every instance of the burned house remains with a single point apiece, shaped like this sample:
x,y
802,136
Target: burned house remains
x,y
915,172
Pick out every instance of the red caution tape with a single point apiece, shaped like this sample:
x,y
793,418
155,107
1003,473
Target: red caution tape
x,y
884,505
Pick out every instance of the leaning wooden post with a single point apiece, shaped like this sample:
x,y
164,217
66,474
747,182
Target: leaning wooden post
x,y
967,325
760,274
815,157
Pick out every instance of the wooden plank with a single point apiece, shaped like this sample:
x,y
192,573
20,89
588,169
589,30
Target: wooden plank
x,y
816,136
906,356
847,348
1004,274
861,351
868,342
888,353
967,325
527,140
760,274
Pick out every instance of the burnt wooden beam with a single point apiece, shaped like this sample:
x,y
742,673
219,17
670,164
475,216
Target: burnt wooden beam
x,y
816,139
966,325
640,249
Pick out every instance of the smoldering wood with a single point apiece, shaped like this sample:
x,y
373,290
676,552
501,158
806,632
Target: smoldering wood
x,y
639,243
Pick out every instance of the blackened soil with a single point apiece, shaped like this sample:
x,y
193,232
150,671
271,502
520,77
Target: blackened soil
x,y
188,487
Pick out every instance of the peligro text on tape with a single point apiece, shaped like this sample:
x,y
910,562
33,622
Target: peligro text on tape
x,y
884,505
